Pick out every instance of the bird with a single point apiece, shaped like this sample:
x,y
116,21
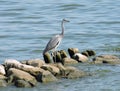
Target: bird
x,y
55,40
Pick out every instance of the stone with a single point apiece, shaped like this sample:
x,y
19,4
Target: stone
x,y
72,51
53,69
69,61
46,76
47,58
61,68
2,77
80,57
35,62
91,52
85,53
110,59
22,83
3,83
32,70
10,63
72,72
16,74
57,57
28,68
63,54
2,70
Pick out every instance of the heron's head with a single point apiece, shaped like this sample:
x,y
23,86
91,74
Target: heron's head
x,y
64,20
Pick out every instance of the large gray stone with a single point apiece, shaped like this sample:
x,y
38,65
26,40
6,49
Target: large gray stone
x,y
46,76
22,83
67,61
3,83
53,69
16,74
110,59
72,72
35,62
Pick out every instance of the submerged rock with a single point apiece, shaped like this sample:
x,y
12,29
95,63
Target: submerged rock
x,y
80,57
110,59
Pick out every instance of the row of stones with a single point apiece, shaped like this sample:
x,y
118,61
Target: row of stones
x,y
28,72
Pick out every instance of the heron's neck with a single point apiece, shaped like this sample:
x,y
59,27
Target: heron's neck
x,y
62,25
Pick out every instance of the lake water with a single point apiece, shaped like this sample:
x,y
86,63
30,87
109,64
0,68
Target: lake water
x,y
27,25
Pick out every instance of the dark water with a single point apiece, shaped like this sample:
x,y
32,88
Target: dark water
x,y
27,25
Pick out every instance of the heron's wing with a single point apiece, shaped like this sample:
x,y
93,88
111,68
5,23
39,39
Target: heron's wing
x,y
54,42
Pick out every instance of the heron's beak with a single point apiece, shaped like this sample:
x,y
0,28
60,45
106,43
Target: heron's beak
x,y
66,20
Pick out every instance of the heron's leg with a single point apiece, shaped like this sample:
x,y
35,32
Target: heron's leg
x,y
55,53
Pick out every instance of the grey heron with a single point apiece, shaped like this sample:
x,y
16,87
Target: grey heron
x,y
55,40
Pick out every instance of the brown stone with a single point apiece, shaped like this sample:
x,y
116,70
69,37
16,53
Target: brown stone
x,y
72,51
110,59
16,74
69,61
72,72
53,69
46,76
80,57
35,62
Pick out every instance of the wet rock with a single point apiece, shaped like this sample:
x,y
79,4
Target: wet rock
x,y
80,57
72,51
53,69
72,72
63,54
2,70
61,68
22,83
2,77
47,58
35,62
110,59
57,57
69,61
89,53
16,74
46,76
85,53
3,83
